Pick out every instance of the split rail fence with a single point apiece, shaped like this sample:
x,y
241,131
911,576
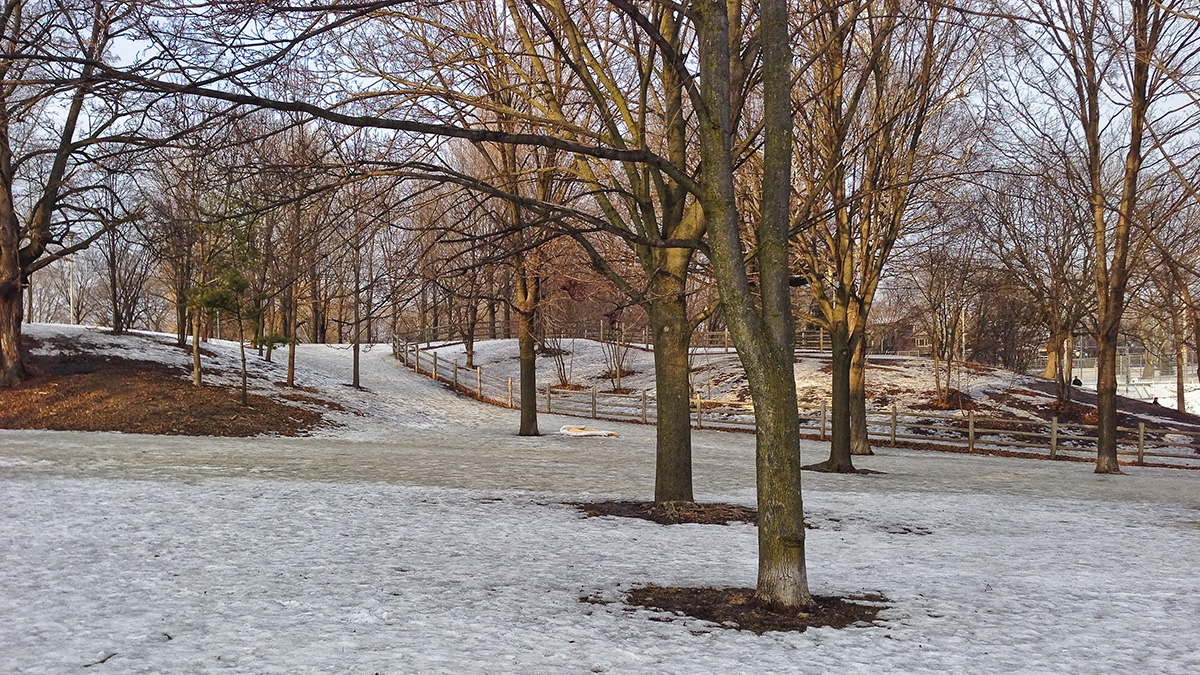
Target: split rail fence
x,y
815,340
1052,439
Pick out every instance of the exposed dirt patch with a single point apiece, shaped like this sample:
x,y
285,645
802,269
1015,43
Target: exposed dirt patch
x,y
955,400
1074,412
81,391
739,609
672,513
572,387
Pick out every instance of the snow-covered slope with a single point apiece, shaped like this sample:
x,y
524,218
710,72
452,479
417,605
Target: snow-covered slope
x,y
904,382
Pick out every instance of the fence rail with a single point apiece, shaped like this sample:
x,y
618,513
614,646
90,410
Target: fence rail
x,y
1052,439
815,340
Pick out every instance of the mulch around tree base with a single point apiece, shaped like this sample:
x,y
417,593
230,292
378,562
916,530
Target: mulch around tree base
x,y
81,391
739,609
823,468
672,513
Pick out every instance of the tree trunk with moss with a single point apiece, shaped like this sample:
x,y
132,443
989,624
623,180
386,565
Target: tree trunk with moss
x,y
671,333
764,334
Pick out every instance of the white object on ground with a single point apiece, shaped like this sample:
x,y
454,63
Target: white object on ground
x,y
577,430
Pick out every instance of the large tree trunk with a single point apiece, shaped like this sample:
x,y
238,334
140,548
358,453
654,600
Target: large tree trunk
x,y
528,360
860,444
672,333
782,574
1106,399
765,338
12,370
525,289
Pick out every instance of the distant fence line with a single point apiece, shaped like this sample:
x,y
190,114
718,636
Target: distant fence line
x,y
1052,439
814,340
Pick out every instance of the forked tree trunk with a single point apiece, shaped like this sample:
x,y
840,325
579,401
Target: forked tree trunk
x,y
860,444
672,334
765,336
840,460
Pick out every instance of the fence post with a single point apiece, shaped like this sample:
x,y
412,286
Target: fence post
x,y
1054,437
417,361
435,366
594,399
971,431
510,393
479,381
643,406
699,411
893,425
726,340
1141,443
455,374
548,411
823,406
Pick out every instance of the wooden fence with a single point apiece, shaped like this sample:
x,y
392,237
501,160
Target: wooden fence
x,y
816,340
1052,439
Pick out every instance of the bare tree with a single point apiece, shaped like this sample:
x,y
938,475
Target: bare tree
x,y
48,129
1104,69
883,88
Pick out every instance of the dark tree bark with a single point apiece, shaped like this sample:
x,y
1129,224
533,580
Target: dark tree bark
x,y
672,334
525,291
860,443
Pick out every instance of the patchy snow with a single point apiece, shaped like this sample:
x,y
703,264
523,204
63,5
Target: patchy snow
x,y
906,382
426,537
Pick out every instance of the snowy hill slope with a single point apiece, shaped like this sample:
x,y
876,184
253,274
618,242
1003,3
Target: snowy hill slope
x,y
904,382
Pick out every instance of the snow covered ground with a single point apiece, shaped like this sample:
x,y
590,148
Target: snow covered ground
x,y
424,536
